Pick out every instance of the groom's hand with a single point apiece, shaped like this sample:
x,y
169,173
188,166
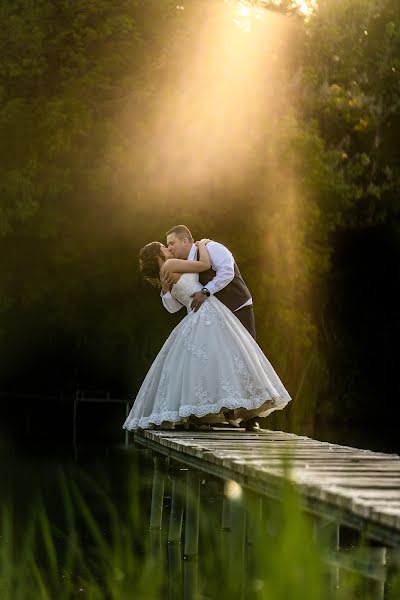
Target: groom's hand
x,y
198,299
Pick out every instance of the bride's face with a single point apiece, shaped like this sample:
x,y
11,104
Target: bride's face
x,y
167,253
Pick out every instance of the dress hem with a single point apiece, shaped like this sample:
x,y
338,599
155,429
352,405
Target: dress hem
x,y
272,404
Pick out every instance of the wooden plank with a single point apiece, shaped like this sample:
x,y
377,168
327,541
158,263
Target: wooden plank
x,y
329,467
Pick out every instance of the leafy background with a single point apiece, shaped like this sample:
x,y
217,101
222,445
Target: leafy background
x,y
300,179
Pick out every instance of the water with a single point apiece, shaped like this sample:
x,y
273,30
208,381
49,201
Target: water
x,y
76,525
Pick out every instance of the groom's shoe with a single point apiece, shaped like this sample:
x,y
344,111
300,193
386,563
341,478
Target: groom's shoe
x,y
252,424
233,423
201,427
196,425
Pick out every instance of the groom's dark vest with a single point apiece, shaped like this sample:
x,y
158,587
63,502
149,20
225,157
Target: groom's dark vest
x,y
235,294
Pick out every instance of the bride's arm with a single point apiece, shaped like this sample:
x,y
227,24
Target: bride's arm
x,y
177,265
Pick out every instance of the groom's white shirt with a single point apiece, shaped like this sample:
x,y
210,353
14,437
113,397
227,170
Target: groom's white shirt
x,y
222,262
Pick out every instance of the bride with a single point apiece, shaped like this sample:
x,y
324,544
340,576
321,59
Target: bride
x,y
210,369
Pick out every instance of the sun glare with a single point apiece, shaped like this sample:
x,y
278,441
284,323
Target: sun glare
x,y
246,11
232,490
305,7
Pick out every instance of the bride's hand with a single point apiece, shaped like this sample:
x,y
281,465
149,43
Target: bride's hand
x,y
203,241
165,280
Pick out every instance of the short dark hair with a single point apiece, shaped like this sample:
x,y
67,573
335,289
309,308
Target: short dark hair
x,y
181,231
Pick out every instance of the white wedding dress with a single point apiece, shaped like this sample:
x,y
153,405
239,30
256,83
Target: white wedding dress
x,y
209,364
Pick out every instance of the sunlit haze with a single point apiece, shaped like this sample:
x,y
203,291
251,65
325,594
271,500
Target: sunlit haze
x,y
222,106
222,97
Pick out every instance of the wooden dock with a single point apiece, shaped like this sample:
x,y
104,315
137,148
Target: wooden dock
x,y
357,488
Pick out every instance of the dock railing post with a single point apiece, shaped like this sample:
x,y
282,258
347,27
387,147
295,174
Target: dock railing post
x,y
177,500
127,405
179,478
236,515
392,581
226,519
174,572
327,532
254,512
190,568
192,514
226,526
376,586
76,400
157,496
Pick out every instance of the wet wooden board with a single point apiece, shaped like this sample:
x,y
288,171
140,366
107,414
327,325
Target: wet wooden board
x,y
359,486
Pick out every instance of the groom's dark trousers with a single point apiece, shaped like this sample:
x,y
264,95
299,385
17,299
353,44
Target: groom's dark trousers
x,y
246,317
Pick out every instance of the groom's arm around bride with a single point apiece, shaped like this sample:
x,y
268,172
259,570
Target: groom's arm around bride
x,y
223,279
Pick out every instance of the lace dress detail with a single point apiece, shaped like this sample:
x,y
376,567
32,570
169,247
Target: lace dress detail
x,y
209,364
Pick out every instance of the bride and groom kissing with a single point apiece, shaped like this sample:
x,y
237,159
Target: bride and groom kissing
x,y
210,369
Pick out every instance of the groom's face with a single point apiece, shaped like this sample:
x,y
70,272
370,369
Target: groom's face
x,y
180,247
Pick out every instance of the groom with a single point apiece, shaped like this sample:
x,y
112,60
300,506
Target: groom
x,y
223,280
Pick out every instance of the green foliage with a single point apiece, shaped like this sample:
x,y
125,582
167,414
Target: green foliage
x,y
87,94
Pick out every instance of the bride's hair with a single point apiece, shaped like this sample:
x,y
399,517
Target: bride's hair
x,y
149,264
